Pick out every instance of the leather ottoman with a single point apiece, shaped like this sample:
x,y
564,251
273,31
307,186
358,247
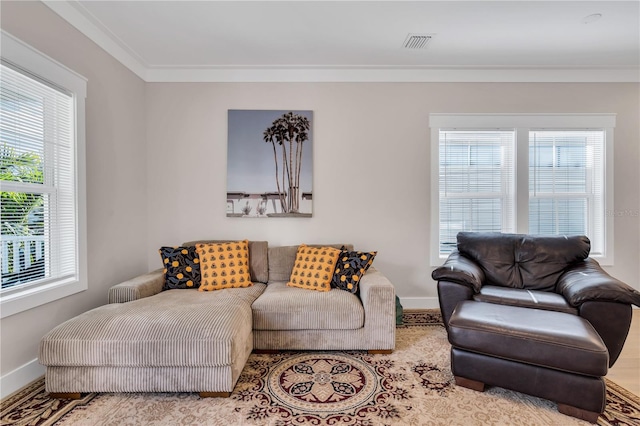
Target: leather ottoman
x,y
552,355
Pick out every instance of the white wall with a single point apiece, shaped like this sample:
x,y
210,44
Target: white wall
x,y
371,164
116,181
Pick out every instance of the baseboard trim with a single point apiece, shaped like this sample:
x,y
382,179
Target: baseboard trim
x,y
419,302
20,377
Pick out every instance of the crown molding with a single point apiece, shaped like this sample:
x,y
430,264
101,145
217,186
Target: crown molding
x,y
74,13
392,75
71,12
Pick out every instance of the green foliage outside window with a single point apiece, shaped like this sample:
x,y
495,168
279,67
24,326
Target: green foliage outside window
x,y
21,212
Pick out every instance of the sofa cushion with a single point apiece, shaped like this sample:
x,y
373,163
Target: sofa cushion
x,y
523,261
224,265
173,328
281,307
544,300
314,268
181,267
258,263
350,268
281,260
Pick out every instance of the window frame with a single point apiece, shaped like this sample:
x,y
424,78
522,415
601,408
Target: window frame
x,y
28,58
522,124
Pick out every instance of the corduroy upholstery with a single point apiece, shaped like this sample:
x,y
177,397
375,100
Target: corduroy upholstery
x,y
182,340
282,307
377,296
209,333
143,286
174,328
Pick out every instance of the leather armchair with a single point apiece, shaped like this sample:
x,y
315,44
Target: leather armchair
x,y
542,272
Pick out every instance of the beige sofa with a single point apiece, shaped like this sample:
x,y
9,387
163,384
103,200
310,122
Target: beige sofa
x,y
149,340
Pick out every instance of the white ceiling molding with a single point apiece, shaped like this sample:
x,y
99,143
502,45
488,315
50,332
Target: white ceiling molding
x,y
390,75
94,30
99,35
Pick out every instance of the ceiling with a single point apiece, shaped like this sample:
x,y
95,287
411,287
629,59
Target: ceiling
x,y
363,40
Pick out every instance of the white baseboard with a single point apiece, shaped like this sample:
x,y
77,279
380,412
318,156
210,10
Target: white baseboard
x,y
20,377
419,302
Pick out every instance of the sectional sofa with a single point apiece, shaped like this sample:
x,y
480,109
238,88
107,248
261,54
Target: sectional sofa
x,y
182,340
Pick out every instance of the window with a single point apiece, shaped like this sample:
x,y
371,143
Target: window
x,y
566,176
475,183
41,179
537,174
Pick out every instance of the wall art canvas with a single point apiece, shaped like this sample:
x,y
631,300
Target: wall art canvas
x,y
269,163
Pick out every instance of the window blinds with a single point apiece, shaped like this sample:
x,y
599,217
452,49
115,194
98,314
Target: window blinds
x,y
566,184
476,183
38,209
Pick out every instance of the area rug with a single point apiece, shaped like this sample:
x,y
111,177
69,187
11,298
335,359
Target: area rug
x,y
412,386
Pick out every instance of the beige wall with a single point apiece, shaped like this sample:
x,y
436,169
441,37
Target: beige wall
x,y
371,163
116,174
156,166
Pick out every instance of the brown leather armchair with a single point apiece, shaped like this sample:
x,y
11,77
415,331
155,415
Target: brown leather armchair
x,y
536,315
543,272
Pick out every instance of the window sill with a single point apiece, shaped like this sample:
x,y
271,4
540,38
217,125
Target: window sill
x,y
32,297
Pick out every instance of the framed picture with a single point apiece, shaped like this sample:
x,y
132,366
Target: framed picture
x,y
269,163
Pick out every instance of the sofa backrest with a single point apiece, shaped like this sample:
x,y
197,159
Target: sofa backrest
x,y
523,261
258,263
282,259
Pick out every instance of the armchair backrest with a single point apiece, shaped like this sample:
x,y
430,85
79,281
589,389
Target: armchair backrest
x,y
523,261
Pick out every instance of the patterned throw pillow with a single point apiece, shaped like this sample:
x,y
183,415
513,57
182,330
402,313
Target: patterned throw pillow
x,y
181,267
314,267
350,268
224,265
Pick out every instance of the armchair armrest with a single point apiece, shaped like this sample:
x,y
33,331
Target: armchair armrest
x,y
378,297
461,270
142,286
587,281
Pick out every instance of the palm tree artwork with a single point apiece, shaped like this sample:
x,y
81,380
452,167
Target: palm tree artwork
x,y
285,131
269,163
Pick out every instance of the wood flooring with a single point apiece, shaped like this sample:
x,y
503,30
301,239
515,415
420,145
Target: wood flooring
x,y
626,370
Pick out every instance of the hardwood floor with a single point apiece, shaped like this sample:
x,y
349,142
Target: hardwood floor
x,y
626,370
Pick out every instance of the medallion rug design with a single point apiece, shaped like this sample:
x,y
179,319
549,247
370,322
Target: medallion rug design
x,y
412,386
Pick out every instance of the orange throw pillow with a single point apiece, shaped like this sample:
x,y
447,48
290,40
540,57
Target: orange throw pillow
x,y
313,268
224,265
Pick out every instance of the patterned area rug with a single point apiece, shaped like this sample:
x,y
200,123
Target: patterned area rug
x,y
412,386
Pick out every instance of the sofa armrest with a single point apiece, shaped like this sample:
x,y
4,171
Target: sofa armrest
x,y
461,270
587,281
378,296
142,286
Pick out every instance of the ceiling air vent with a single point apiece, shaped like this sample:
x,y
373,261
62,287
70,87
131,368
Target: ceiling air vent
x,y
417,41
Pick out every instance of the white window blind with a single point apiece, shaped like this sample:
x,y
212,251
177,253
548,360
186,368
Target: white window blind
x,y
476,183
38,178
566,184
545,174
